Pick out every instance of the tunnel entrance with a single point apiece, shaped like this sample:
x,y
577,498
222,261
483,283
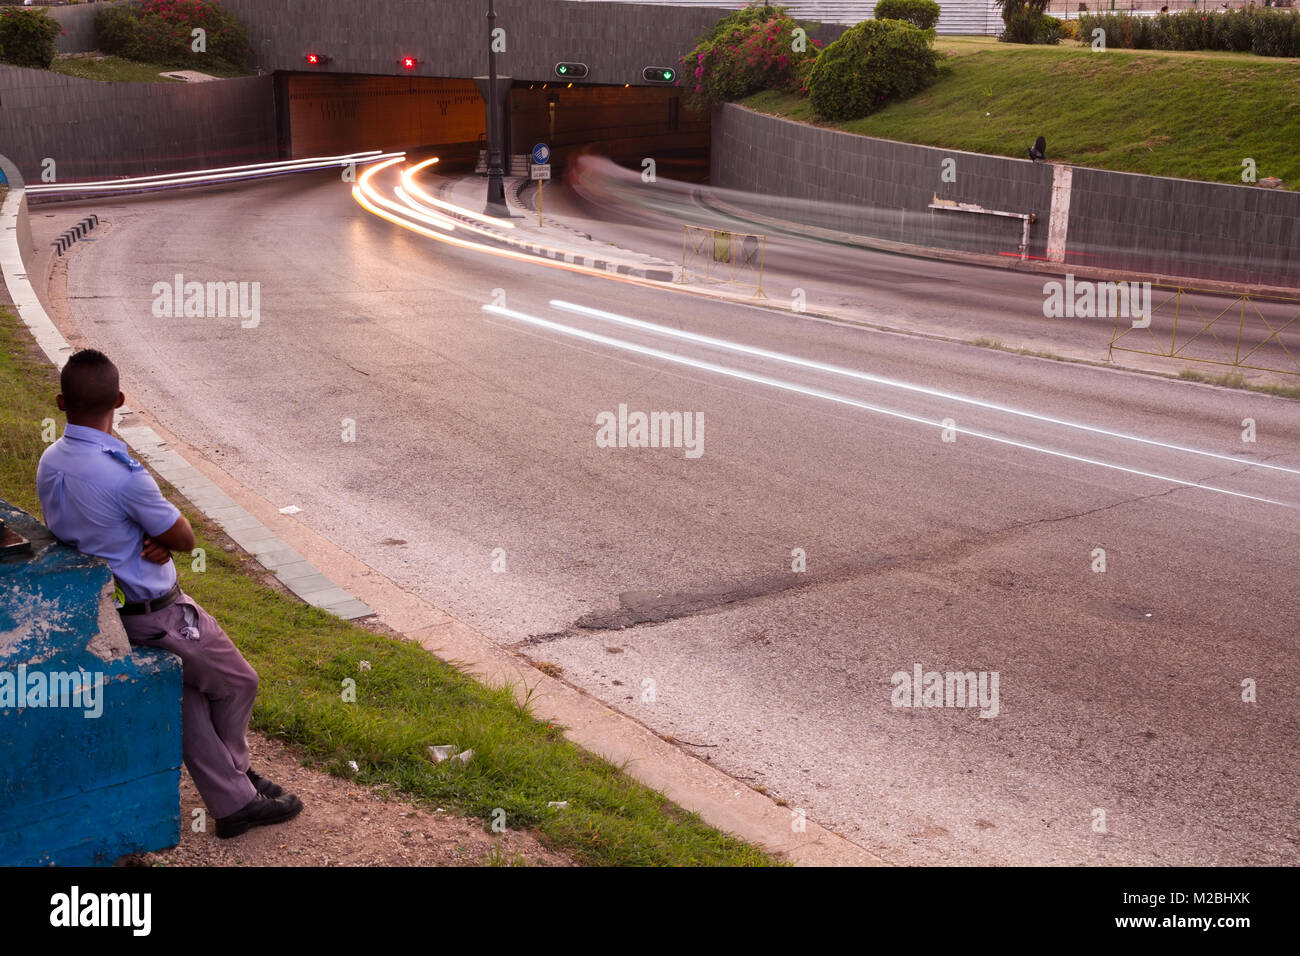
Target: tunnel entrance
x,y
330,113
327,114
625,123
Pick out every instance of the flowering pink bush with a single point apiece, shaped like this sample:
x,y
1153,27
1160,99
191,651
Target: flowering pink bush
x,y
749,51
28,37
162,31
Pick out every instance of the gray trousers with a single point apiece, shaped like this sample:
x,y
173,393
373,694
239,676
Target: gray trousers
x,y
217,701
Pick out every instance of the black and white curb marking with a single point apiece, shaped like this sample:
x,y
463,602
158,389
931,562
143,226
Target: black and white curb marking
x,y
649,273
69,236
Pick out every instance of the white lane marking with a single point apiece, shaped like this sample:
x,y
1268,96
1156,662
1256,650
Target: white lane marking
x,y
844,400
602,315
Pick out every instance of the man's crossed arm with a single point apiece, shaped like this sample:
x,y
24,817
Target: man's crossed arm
x,y
159,547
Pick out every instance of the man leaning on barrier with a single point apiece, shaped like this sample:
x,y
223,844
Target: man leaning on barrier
x,y
98,499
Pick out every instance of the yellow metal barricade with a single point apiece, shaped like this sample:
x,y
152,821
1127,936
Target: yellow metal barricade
x,y
1217,328
714,255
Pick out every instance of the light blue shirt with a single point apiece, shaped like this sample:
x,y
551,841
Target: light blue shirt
x,y
100,500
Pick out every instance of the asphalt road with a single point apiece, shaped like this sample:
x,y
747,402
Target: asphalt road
x,y
640,570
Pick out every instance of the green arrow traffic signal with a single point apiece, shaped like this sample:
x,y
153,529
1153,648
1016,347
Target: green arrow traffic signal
x,y
659,74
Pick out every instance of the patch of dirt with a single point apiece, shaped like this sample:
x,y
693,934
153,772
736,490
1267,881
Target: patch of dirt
x,y
343,824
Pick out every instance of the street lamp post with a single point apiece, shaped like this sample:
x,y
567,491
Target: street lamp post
x,y
496,190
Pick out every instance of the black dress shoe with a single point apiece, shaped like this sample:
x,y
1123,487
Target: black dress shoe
x,y
259,812
267,788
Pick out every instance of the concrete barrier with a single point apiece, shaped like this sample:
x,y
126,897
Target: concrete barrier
x,y
90,728
92,129
1119,223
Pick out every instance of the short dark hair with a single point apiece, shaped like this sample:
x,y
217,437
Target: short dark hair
x,y
89,384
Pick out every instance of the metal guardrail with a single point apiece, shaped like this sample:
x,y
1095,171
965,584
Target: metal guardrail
x,y
715,255
1239,335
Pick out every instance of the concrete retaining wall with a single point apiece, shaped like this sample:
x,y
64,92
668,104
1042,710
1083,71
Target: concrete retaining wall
x,y
877,187
1152,224
78,26
1113,221
94,129
449,37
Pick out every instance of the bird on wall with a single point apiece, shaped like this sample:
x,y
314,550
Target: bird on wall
x,y
1038,152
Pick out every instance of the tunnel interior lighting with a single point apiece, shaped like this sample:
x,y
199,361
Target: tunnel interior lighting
x,y
659,74
571,71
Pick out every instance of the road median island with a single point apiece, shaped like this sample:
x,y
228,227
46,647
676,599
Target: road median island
x,y
567,247
406,699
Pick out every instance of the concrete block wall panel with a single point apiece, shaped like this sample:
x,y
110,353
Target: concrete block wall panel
x,y
878,187
93,129
1119,221
1209,230
78,26
449,37
86,782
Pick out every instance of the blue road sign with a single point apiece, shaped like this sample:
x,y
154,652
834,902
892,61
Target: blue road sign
x,y
541,154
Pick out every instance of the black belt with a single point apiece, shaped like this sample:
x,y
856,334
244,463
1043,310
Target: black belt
x,y
157,604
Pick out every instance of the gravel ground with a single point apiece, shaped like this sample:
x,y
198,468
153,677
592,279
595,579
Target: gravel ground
x,y
343,824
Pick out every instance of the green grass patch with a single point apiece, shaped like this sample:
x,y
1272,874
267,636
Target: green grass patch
x,y
1189,115
115,69
1237,380
28,384
406,701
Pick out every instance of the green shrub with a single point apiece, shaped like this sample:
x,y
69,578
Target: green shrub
x,y
160,41
748,52
1262,31
871,64
116,30
920,13
1022,20
1240,24
28,37
161,31
754,13
1050,30
1271,36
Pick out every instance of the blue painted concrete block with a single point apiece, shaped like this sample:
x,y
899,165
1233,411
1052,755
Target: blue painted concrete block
x,y
90,727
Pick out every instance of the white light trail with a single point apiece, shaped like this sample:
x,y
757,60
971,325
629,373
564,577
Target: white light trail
x,y
604,316
851,402
412,187
369,199
210,176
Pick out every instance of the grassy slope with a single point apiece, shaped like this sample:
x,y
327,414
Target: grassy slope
x,y
116,69
407,701
1195,116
